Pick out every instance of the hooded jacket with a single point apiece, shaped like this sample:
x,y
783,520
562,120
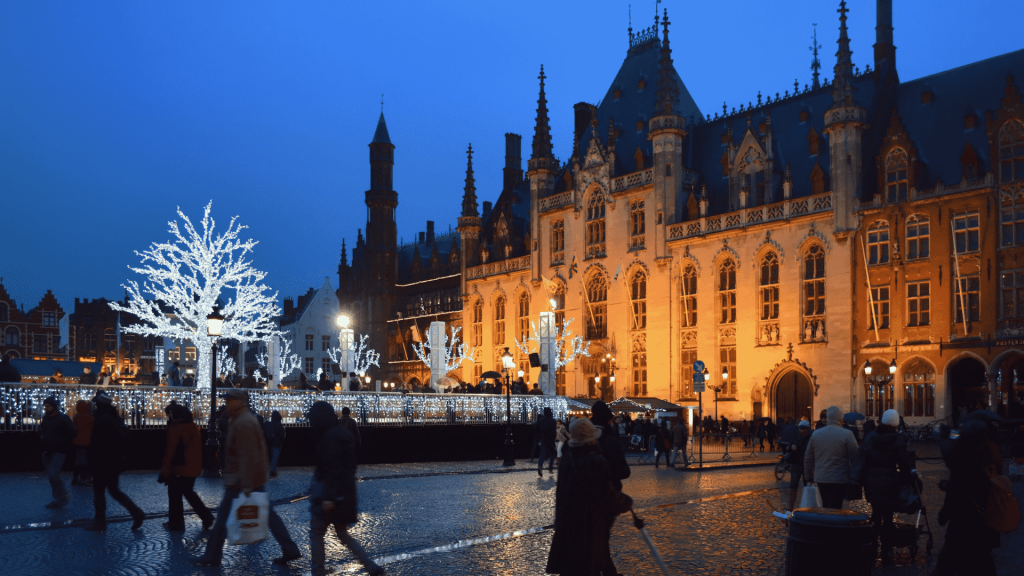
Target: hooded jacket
x,y
83,424
56,432
885,465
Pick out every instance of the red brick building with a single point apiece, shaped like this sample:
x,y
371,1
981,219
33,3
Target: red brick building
x,y
34,334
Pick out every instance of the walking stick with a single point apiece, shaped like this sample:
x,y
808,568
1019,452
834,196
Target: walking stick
x,y
639,523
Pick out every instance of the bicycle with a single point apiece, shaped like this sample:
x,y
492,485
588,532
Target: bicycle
x,y
782,467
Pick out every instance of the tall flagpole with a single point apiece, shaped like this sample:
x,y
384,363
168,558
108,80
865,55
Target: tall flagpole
x,y
867,279
959,288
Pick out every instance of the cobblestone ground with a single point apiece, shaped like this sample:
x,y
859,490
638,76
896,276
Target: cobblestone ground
x,y
441,519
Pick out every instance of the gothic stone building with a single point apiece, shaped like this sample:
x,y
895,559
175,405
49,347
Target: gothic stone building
x,y
738,239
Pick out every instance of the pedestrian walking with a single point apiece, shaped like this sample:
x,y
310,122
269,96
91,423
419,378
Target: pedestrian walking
x,y
83,427
535,440
56,434
770,432
797,450
745,433
761,433
174,375
561,437
183,461
274,432
967,549
680,435
829,458
107,450
352,426
8,373
885,466
586,503
618,468
245,471
547,431
333,496
663,443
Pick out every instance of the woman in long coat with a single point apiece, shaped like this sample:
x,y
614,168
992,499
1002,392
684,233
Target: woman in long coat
x,y
886,467
182,464
585,505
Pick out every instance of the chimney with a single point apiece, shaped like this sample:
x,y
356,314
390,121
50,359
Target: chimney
x,y
513,171
430,232
423,237
487,210
884,49
584,112
289,306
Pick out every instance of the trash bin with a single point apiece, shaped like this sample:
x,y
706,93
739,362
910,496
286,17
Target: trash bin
x,y
834,542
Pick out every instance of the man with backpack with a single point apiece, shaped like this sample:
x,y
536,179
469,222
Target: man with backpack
x,y
107,451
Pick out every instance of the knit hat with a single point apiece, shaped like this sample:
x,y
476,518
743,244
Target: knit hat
x,y
891,418
51,401
236,394
600,412
804,424
583,431
834,414
102,398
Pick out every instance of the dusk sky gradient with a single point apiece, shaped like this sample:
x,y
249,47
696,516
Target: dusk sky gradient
x,y
112,114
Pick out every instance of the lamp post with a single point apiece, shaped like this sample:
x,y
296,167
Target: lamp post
x,y
508,363
211,464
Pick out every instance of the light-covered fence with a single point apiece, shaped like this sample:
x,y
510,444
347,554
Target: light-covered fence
x,y
21,405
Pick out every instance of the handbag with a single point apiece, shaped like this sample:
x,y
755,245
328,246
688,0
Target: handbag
x,y
811,498
249,520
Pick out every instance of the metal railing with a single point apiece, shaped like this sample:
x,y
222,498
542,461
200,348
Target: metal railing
x,y
21,405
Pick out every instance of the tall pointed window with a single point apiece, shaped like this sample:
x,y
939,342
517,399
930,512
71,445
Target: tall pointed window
x,y
638,225
597,307
558,242
917,237
814,294
639,361
727,292
770,287
478,323
638,298
595,226
688,284
499,321
878,243
919,389
896,175
1011,151
524,317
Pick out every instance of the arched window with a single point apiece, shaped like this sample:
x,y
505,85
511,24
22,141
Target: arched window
x,y
919,389
727,292
638,357
814,294
878,243
558,242
896,175
770,287
478,322
595,226
1011,151
524,317
499,321
638,225
917,237
638,297
597,307
12,337
688,305
558,295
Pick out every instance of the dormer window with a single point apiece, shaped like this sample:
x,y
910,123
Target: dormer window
x,y
896,176
640,85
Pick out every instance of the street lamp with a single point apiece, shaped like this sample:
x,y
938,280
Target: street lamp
x,y
867,368
211,468
892,367
508,363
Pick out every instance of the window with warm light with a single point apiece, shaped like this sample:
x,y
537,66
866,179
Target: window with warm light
x,y
595,226
878,243
814,282
880,300
966,233
969,295
478,322
917,237
558,242
686,360
499,321
770,287
688,296
597,308
727,358
524,317
638,299
727,292
639,371
190,354
918,303
638,225
896,175
919,389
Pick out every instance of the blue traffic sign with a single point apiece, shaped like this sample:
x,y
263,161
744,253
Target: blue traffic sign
x,y
698,366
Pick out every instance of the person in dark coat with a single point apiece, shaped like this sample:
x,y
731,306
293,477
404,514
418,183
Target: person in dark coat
x,y
611,449
303,383
8,373
546,432
183,462
969,541
189,381
249,382
770,431
333,493
83,437
796,459
869,427
586,504
274,433
56,434
885,466
534,440
87,376
106,452
762,432
173,375
790,435
663,443
680,435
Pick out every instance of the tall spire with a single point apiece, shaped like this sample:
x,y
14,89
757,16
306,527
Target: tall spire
x,y
815,63
344,254
380,136
668,90
842,90
542,133
469,207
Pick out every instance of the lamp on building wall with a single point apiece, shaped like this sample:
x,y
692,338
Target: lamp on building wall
x,y
214,328
508,363
892,367
867,368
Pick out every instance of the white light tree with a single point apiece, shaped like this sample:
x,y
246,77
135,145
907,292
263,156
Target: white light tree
x,y
225,363
286,361
190,276
577,346
454,352
362,358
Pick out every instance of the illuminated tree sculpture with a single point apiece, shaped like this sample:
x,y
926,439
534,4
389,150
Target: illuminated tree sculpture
x,y
225,363
190,276
454,352
563,355
286,361
362,358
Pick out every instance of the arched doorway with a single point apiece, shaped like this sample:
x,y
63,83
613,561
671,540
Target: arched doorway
x,y
794,397
968,386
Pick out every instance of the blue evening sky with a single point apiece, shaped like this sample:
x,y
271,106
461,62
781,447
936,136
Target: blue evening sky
x,y
114,113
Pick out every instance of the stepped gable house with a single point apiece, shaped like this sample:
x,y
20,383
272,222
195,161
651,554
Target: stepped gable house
x,y
739,238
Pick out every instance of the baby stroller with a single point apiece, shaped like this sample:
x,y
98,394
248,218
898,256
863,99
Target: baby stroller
x,y
907,533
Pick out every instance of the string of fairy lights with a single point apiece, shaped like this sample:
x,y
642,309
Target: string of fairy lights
x,y
21,406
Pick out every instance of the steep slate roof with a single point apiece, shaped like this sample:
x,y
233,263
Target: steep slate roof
x,y
406,253
381,135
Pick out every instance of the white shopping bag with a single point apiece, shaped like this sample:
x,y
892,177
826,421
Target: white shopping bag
x,y
811,497
249,521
